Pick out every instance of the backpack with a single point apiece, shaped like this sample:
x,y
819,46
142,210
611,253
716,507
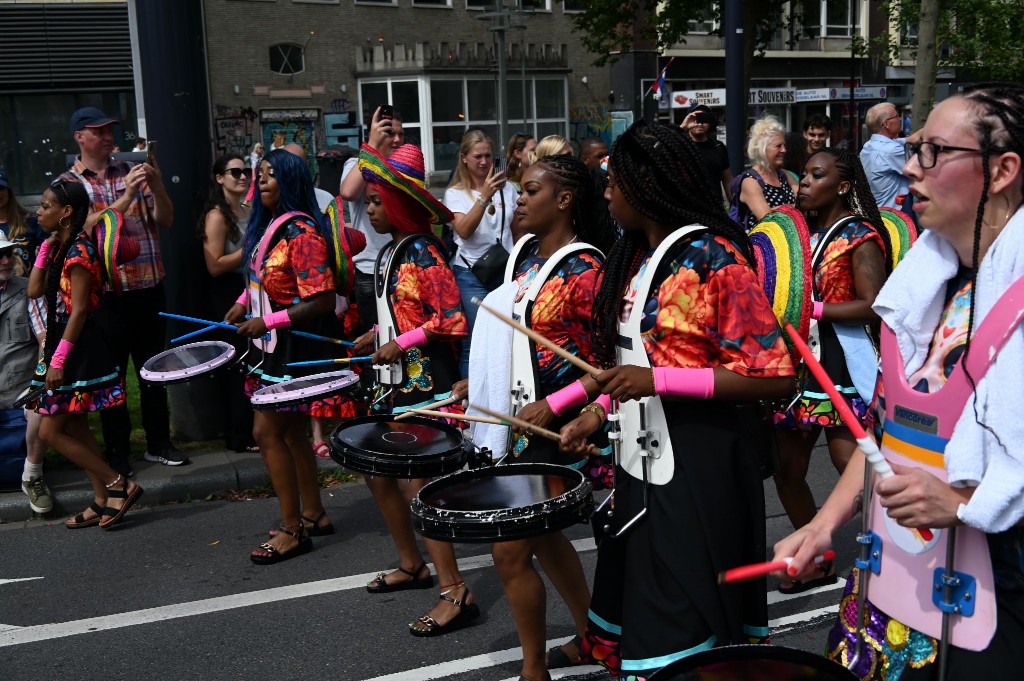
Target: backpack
x,y
738,211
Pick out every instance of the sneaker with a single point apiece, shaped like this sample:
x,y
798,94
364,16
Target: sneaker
x,y
38,494
170,456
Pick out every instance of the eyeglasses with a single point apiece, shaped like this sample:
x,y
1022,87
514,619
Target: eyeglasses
x,y
890,118
928,152
7,253
238,172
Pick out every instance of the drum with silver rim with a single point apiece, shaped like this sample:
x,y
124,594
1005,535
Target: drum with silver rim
x,y
412,448
186,362
304,389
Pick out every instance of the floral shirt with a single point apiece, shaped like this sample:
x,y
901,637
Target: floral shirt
x,y
82,253
833,278
423,292
561,312
297,266
710,311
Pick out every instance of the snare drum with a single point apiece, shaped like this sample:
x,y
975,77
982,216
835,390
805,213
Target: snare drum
x,y
754,663
503,503
413,448
304,389
186,362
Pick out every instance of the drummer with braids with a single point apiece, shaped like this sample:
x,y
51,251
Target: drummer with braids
x,y
554,278
77,366
423,300
291,284
948,407
712,339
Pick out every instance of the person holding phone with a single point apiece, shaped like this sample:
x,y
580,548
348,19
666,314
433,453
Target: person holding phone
x,y
700,124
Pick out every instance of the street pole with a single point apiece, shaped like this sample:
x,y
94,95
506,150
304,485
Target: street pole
x,y
499,15
735,97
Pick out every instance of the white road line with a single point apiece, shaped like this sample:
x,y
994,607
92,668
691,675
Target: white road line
x,y
776,597
19,579
784,624
8,627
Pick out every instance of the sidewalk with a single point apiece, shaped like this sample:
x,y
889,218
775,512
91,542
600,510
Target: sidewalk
x,y
210,472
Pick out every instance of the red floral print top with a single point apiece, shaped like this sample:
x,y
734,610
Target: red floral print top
x,y
423,292
82,253
833,278
297,266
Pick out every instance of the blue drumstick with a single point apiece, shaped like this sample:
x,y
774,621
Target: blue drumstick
x,y
194,320
340,360
194,333
326,339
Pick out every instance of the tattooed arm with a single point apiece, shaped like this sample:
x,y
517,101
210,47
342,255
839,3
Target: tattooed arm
x,y
868,279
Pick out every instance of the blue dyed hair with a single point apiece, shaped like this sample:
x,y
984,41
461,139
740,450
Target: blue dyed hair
x,y
297,194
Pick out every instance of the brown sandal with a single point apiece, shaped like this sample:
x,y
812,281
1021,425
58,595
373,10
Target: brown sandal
x,y
117,514
80,521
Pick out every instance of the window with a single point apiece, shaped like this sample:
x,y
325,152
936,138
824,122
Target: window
x,y
431,3
704,23
908,34
287,59
376,2
573,5
830,18
404,95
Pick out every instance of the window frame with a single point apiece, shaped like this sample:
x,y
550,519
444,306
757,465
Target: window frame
x,y
302,56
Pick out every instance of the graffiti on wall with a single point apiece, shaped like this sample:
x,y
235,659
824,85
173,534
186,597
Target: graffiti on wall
x,y
590,119
235,129
290,126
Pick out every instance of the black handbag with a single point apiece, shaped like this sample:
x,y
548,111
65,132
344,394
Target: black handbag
x,y
490,267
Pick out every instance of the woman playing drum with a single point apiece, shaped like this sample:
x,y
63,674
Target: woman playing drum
x,y
77,366
423,305
948,399
712,339
291,284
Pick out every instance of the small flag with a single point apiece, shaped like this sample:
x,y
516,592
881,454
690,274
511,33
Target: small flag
x,y
659,84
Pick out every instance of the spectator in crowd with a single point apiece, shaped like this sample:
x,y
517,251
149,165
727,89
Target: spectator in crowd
x,y
765,185
517,157
140,144
884,155
255,156
552,145
19,226
817,129
700,123
130,320
592,150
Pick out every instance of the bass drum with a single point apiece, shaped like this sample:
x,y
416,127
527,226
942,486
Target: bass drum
x,y
754,663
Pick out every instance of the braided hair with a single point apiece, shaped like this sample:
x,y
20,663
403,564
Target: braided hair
x,y
217,200
859,199
590,219
661,174
68,193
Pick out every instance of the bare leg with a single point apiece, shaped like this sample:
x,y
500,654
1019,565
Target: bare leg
x,y
791,475
527,598
305,471
841,446
395,511
562,565
270,429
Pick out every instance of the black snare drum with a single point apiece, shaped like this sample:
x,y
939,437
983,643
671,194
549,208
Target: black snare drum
x,y
413,448
502,503
305,389
186,362
754,663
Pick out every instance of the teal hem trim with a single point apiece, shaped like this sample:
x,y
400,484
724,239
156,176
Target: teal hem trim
x,y
664,660
603,623
759,632
578,465
825,396
77,385
420,405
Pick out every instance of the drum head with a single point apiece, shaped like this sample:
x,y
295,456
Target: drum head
x,y
501,487
754,663
187,361
304,389
413,448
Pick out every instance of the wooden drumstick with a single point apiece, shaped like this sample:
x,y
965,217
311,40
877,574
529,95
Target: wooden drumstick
x,y
426,407
519,423
537,338
496,420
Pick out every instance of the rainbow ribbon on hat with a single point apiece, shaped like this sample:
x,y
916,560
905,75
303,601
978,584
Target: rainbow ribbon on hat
x,y
343,277
898,235
108,237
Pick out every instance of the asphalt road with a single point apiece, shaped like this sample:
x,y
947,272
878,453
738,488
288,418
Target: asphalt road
x,y
171,594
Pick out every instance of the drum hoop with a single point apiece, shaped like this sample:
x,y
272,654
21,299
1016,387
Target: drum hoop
x,y
751,652
340,379
227,354
571,497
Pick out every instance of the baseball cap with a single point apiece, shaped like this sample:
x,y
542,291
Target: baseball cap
x,y
90,117
4,182
701,108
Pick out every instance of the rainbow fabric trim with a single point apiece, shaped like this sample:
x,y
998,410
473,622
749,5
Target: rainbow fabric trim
x,y
375,168
921,447
782,251
899,235
343,278
108,238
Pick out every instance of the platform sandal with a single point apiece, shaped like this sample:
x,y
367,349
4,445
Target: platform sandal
x,y
379,584
427,626
304,546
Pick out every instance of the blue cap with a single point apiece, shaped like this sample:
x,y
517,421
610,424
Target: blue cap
x,y
90,117
4,182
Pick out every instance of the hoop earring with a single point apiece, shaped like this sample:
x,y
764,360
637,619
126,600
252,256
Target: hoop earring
x,y
61,224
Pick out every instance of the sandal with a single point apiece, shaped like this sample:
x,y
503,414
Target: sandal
x,y
305,546
557,658
80,521
829,576
467,613
314,528
380,585
322,450
116,514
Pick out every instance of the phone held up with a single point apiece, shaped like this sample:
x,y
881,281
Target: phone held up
x,y
150,151
387,112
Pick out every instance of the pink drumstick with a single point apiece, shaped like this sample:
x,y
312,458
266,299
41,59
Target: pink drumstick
x,y
745,572
867,445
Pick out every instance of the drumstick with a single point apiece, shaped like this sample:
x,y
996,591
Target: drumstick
x,y
866,444
326,339
519,423
497,421
194,333
744,572
432,405
340,360
537,338
194,320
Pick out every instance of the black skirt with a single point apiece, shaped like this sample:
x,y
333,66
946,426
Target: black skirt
x,y
92,379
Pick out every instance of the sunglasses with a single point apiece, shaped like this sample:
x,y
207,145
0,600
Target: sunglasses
x,y
7,253
238,172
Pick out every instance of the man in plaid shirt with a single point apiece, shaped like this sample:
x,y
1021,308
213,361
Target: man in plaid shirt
x,y
130,320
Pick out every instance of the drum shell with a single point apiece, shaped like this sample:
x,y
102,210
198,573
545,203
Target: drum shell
x,y
742,662
508,523
201,370
409,465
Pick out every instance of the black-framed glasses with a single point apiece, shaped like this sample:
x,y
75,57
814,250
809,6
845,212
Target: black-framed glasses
x,y
238,172
928,152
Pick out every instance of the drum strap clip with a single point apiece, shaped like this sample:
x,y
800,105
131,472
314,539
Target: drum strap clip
x,y
871,552
962,590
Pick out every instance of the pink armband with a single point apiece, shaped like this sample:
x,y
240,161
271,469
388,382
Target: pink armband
x,y
680,382
60,355
277,320
44,253
243,299
572,395
817,309
605,401
412,339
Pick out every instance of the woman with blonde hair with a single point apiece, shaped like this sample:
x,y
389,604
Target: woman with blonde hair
x,y
765,184
552,145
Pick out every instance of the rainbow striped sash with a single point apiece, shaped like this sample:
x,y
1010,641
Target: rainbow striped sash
x,y
782,250
899,235
343,276
107,235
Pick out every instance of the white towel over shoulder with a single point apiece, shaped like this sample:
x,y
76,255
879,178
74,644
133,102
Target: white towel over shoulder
x,y
490,366
911,303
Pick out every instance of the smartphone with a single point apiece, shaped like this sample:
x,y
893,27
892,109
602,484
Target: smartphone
x,y
150,152
387,112
500,164
706,117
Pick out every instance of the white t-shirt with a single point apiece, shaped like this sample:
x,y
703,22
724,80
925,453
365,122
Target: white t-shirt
x,y
367,258
489,229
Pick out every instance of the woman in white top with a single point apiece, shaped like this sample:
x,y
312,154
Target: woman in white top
x,y
483,204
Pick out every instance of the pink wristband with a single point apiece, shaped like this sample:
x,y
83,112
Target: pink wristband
x,y
680,382
412,339
605,401
277,320
572,395
44,253
817,309
243,299
60,355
